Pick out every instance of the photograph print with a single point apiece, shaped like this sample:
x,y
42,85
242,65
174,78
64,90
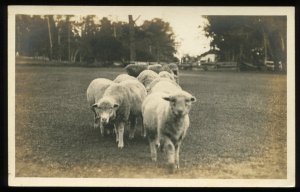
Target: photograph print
x,y
151,96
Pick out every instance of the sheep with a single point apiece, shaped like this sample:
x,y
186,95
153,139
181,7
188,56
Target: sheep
x,y
171,68
94,93
123,77
163,84
156,68
166,74
146,77
174,68
122,102
135,69
166,120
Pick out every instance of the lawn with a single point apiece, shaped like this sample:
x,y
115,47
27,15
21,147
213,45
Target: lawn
x,y
238,127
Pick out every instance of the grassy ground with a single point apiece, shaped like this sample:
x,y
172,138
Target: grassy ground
x,y
238,127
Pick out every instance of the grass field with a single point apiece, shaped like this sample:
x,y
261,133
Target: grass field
x,y
238,127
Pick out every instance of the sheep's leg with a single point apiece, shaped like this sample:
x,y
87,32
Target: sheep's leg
x,y
101,129
120,127
96,123
153,149
133,122
143,130
116,132
96,119
177,148
107,132
151,135
157,139
169,149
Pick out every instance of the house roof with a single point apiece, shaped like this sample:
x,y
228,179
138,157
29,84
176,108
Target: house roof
x,y
211,51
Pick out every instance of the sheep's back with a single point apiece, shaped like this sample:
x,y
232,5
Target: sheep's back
x,y
164,85
136,94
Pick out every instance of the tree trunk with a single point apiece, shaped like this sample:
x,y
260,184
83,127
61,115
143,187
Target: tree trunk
x,y
75,55
132,41
50,39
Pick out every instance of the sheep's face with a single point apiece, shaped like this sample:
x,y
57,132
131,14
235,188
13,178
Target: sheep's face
x,y
181,103
106,111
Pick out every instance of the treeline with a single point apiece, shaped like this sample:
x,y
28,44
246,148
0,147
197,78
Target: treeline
x,y
89,39
251,39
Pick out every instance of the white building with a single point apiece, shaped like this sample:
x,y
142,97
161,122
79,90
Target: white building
x,y
208,58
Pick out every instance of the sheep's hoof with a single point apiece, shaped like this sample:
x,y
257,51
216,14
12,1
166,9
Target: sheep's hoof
x,y
120,146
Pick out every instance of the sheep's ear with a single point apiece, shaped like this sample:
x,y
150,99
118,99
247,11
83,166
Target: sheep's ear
x,y
95,105
116,105
169,98
193,99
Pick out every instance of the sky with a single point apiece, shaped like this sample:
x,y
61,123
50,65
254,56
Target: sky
x,y
190,37
185,25
184,22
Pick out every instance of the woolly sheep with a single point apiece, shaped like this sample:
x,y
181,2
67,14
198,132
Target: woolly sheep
x,y
166,74
166,67
156,68
166,120
174,68
135,69
146,77
123,77
122,102
94,93
163,84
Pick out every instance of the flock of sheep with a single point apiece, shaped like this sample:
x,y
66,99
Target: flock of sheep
x,y
149,97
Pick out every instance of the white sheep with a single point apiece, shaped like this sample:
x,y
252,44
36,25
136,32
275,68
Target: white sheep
x,y
146,77
94,93
135,69
166,120
166,74
163,84
122,102
123,77
174,68
156,68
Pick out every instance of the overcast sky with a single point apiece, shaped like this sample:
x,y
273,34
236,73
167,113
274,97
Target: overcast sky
x,y
186,22
185,26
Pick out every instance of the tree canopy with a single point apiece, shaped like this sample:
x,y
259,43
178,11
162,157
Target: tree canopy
x,y
248,38
90,39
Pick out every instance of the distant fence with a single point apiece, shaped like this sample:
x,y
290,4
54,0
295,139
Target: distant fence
x,y
44,61
210,66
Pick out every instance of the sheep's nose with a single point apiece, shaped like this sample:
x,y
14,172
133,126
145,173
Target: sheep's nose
x,y
104,120
180,111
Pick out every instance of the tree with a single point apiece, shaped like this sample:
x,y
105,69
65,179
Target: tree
x,y
92,40
159,40
32,33
244,37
